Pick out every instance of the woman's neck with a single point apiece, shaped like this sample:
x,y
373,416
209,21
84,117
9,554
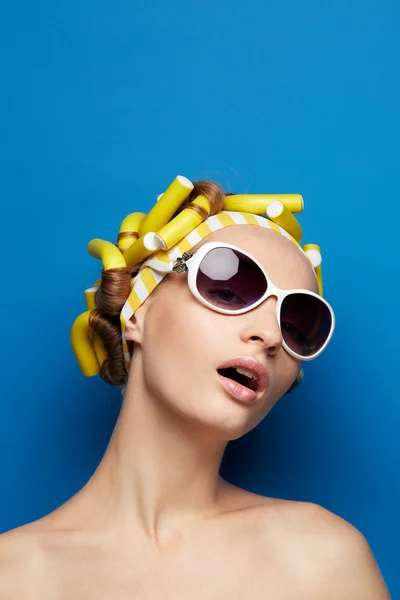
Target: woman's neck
x,y
159,474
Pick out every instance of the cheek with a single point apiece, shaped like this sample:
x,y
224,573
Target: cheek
x,y
176,344
181,325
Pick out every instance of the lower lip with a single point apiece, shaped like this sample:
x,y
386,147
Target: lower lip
x,y
237,391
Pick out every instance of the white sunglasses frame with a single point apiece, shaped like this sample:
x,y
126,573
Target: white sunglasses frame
x,y
191,266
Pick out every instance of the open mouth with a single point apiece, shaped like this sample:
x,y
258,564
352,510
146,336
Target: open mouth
x,y
245,378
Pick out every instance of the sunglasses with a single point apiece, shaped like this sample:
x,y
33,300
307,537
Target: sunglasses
x,y
229,280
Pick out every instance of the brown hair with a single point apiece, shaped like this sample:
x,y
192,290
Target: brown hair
x,y
115,288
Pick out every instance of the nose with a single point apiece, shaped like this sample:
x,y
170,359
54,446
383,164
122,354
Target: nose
x,y
261,327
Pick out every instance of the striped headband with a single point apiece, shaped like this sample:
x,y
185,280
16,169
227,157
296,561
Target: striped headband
x,y
171,228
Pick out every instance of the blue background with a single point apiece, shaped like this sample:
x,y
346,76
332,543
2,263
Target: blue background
x,y
103,104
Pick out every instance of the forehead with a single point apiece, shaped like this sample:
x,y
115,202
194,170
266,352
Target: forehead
x,y
285,264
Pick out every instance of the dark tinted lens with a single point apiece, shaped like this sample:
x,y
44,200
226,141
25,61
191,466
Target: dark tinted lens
x,y
229,279
305,322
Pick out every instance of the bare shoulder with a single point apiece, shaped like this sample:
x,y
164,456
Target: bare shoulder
x,y
21,565
18,545
328,550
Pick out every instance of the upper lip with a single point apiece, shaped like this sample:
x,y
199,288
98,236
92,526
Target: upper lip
x,y
250,364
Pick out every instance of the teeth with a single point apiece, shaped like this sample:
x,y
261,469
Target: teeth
x,y
248,374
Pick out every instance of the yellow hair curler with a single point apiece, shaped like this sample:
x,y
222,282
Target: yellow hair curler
x,y
281,215
314,254
257,203
141,249
129,230
82,345
90,295
108,253
318,274
167,205
182,224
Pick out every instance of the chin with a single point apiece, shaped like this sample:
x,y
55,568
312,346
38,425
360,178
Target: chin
x,y
232,419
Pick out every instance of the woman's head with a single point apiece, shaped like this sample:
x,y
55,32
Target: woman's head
x,y
178,343
175,343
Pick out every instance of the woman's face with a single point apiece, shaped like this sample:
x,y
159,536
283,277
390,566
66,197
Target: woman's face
x,y
179,343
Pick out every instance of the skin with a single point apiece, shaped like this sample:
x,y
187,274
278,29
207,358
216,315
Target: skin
x,y
156,520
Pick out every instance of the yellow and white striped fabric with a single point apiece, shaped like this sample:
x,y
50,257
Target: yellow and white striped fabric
x,y
148,277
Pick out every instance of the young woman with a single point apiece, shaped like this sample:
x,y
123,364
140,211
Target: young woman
x,y
204,314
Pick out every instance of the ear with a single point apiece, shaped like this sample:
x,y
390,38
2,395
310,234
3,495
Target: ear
x,y
134,327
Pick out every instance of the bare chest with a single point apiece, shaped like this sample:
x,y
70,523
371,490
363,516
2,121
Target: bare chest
x,y
215,573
